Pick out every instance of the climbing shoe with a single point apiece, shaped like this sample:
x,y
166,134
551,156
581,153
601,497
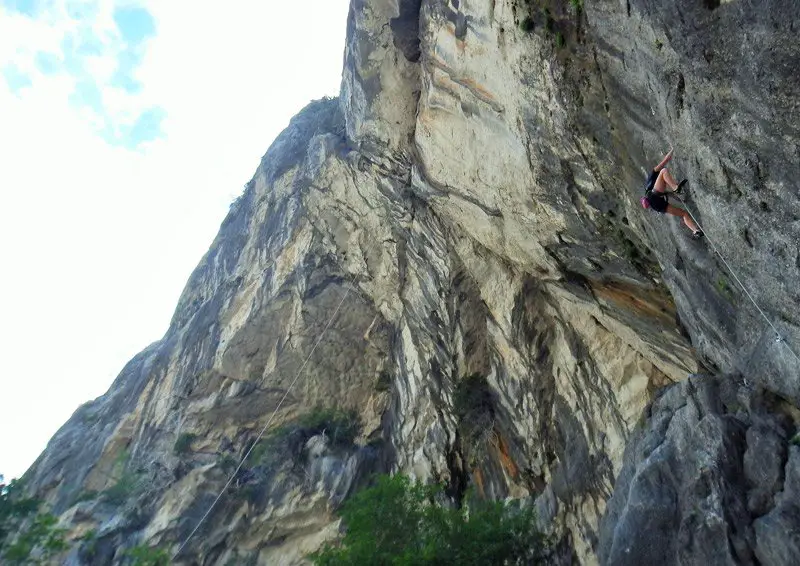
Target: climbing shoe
x,y
679,190
698,234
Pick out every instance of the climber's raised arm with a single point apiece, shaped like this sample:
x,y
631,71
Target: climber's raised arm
x,y
664,161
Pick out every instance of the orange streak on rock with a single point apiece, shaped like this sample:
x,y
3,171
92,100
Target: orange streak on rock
x,y
505,459
650,303
477,477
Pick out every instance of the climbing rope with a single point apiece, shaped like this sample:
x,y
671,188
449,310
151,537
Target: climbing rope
x,y
266,426
778,337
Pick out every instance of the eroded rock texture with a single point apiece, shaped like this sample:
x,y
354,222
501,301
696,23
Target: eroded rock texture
x,y
709,478
452,255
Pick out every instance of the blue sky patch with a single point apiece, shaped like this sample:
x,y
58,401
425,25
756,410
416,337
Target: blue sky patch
x,y
47,63
78,48
146,128
123,75
72,59
75,48
81,10
27,7
126,82
89,46
86,94
135,24
16,79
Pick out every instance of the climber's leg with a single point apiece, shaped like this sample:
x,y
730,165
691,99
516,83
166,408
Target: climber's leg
x,y
681,213
665,180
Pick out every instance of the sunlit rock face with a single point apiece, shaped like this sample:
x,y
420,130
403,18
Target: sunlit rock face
x,y
453,257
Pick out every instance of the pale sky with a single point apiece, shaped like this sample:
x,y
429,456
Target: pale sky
x,y
126,129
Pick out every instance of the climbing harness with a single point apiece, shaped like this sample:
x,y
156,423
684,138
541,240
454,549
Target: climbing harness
x,y
778,336
266,426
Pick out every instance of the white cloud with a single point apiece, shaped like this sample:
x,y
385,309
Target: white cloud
x,y
98,240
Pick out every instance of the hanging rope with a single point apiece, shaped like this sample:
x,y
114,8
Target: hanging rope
x,y
778,337
266,426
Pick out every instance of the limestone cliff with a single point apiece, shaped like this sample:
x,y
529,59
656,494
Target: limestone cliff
x,y
462,224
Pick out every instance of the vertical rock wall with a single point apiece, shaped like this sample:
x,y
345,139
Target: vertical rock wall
x,y
445,272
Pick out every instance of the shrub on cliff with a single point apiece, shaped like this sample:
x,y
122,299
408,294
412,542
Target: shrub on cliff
x,y
143,555
398,523
122,490
340,426
26,535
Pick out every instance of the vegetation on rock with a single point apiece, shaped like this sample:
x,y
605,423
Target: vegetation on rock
x,y
27,535
143,555
398,522
340,426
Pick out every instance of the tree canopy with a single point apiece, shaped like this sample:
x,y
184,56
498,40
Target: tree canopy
x,y
401,523
27,536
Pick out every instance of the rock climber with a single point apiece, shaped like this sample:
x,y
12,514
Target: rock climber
x,y
660,183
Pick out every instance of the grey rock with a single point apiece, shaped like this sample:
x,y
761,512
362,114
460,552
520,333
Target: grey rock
x,y
546,508
763,464
778,532
682,496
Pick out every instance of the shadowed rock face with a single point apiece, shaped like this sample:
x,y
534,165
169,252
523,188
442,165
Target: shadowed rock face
x,y
709,478
452,255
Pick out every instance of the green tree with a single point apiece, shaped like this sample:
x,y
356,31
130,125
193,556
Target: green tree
x,y
401,523
125,487
26,535
14,507
148,556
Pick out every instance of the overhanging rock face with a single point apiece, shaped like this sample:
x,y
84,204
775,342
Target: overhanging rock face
x,y
463,223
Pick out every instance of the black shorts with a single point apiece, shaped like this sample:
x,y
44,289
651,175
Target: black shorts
x,y
658,201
